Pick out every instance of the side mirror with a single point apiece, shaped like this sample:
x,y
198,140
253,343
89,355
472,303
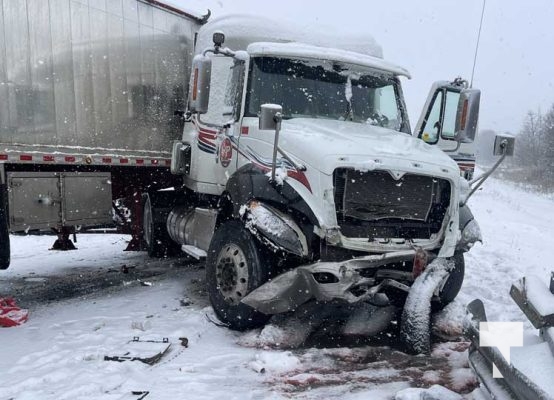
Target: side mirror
x,y
504,145
270,117
199,96
467,115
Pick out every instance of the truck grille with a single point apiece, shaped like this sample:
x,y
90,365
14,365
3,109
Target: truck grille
x,y
375,205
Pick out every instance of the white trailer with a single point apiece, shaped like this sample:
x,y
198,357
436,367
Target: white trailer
x,y
88,95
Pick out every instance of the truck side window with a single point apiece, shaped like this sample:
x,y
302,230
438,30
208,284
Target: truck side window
x,y
233,93
385,101
432,125
221,72
449,119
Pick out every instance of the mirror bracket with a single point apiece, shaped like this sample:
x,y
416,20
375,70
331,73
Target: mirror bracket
x,y
271,116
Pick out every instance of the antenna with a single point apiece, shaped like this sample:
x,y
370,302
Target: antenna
x,y
477,45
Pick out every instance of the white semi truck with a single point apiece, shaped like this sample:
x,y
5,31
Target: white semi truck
x,y
303,181
297,175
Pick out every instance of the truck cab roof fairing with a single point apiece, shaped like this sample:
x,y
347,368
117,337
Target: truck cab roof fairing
x,y
301,50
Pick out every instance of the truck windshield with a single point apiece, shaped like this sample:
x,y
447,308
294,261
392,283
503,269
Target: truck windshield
x,y
325,89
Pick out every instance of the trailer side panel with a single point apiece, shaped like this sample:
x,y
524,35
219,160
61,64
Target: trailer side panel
x,y
92,77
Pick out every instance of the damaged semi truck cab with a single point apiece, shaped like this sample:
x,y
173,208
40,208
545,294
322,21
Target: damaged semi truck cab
x,y
303,180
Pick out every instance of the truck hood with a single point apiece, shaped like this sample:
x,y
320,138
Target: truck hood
x,y
326,144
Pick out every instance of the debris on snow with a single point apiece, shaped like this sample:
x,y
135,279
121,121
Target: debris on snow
x,y
284,332
277,362
435,392
147,351
11,314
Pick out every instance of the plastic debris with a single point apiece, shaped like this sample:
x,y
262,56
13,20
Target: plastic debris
x,y
11,314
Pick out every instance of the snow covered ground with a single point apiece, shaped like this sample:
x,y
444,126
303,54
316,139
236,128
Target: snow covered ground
x,y
108,297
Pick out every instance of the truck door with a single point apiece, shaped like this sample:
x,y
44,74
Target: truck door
x,y
216,132
444,122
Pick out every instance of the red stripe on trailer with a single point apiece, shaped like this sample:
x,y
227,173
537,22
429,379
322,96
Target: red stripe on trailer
x,y
139,161
48,158
106,160
69,159
3,157
154,162
124,161
25,157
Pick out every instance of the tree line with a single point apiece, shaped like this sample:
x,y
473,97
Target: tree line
x,y
533,161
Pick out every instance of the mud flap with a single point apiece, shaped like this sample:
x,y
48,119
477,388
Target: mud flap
x,y
415,329
4,232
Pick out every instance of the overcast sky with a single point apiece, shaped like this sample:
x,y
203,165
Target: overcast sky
x,y
435,40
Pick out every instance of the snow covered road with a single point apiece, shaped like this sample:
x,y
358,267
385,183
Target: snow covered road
x,y
59,353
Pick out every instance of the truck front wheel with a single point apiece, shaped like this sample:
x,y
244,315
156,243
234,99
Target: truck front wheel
x,y
4,233
452,285
236,265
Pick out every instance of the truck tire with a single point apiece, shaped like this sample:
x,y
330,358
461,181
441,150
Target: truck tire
x,y
236,265
158,242
453,284
4,232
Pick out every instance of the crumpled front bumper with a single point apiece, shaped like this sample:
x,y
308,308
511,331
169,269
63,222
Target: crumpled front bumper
x,y
351,281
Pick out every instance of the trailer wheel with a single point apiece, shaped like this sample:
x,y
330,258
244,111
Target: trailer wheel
x,y
4,232
452,285
236,265
158,242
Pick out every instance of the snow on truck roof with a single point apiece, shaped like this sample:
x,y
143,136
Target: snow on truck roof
x,y
243,30
301,50
178,9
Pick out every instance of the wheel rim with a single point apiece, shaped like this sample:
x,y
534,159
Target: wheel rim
x,y
147,222
232,273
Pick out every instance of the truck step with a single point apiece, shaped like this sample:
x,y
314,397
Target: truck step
x,y
535,300
194,251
